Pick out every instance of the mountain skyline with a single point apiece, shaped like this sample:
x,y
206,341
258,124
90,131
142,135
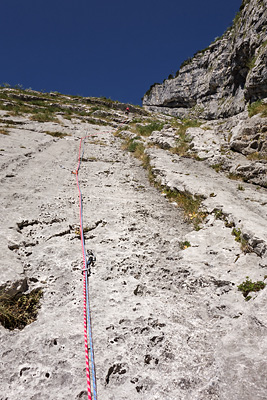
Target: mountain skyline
x,y
116,50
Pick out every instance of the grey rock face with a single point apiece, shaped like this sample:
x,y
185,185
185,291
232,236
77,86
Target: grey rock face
x,y
235,145
219,81
168,322
250,136
165,138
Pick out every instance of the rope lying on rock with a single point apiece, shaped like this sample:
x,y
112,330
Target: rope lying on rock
x,y
86,302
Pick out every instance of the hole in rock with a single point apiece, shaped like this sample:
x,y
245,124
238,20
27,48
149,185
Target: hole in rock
x,y
115,369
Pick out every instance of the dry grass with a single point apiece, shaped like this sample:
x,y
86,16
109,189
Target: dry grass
x,y
4,131
257,108
257,156
189,204
19,311
57,134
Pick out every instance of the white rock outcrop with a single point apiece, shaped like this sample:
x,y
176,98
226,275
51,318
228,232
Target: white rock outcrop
x,y
220,80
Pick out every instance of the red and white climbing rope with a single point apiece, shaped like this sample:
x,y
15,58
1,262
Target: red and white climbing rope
x,y
86,304
89,360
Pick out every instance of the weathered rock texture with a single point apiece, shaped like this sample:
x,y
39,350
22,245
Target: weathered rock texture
x,y
220,80
168,321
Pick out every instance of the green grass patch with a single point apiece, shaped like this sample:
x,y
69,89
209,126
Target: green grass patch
x,y
219,214
184,63
44,116
146,130
217,167
16,108
248,286
137,148
41,114
257,108
182,146
183,139
19,311
234,177
3,95
184,245
132,146
190,205
237,18
251,62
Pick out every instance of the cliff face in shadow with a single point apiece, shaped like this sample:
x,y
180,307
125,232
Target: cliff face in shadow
x,y
220,80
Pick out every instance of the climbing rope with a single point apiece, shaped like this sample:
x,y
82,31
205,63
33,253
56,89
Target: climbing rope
x,y
90,362
86,302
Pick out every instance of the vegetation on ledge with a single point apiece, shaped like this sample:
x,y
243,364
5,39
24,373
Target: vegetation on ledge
x,y
248,286
19,310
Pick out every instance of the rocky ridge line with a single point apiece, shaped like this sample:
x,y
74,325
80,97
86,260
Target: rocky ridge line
x,y
219,81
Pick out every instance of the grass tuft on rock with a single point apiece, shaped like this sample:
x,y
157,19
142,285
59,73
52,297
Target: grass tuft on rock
x,y
258,107
256,156
248,286
184,245
4,131
183,139
20,310
190,205
146,130
44,116
138,149
244,245
56,134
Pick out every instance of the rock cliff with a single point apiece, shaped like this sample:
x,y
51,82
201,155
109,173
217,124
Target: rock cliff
x,y
178,293
219,81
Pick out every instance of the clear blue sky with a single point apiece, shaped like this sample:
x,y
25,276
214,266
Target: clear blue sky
x,y
115,49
